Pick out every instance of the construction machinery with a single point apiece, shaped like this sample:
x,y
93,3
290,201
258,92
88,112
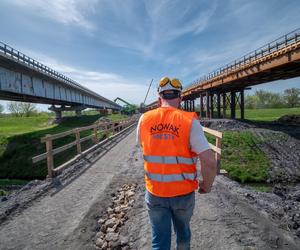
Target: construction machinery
x,y
128,108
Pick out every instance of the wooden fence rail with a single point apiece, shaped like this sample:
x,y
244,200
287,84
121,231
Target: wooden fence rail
x,y
104,127
217,147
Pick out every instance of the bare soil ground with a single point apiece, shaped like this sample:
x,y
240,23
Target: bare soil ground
x,y
64,213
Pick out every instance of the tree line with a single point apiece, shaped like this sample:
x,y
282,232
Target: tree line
x,y
20,109
290,98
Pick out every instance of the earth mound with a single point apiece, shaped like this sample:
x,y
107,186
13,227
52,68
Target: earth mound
x,y
290,119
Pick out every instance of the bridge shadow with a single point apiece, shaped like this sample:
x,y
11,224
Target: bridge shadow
x,y
85,163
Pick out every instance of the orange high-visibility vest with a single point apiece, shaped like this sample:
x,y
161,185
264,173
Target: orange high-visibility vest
x,y
170,165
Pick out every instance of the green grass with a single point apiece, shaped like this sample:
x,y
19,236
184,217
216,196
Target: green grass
x,y
10,125
242,158
5,182
268,114
17,149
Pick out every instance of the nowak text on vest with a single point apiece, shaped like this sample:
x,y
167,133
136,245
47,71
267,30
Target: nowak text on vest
x,y
164,128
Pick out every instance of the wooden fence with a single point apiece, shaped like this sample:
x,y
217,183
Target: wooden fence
x,y
217,147
104,127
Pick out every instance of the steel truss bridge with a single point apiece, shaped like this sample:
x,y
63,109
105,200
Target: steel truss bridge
x,y
223,88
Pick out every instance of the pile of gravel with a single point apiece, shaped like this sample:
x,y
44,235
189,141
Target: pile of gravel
x,y
109,236
282,206
225,124
290,119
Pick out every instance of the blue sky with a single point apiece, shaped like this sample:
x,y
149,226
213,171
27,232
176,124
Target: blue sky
x,y
116,47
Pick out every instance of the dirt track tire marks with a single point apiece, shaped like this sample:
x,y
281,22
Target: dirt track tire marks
x,y
48,222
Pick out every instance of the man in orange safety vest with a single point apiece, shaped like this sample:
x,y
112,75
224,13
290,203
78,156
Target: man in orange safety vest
x,y
172,140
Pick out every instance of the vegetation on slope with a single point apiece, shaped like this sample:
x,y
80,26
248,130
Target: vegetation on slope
x,y
20,141
242,157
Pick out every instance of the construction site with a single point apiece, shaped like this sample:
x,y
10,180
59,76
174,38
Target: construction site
x,y
81,163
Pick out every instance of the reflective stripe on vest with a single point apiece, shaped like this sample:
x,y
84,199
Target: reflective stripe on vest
x,y
170,159
171,177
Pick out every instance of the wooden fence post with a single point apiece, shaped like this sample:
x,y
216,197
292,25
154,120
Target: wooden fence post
x,y
77,133
218,157
95,135
49,147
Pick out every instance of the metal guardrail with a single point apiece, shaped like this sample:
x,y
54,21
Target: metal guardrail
x,y
12,53
279,43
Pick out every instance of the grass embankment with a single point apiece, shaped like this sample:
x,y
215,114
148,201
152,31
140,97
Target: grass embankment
x,y
268,114
20,141
242,157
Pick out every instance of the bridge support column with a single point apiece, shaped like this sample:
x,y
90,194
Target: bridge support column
x,y
211,105
78,112
224,104
242,106
58,115
219,104
207,104
232,105
193,105
201,106
184,105
58,111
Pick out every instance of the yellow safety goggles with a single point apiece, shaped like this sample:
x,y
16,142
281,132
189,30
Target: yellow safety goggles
x,y
174,82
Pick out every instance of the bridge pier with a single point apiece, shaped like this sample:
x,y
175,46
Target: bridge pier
x,y
232,104
193,105
219,104
242,105
207,104
58,111
224,104
201,106
211,108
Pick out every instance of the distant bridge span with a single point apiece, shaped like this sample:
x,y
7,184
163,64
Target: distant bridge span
x,y
279,59
24,79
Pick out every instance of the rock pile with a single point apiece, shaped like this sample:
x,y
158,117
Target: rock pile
x,y
290,119
109,236
225,124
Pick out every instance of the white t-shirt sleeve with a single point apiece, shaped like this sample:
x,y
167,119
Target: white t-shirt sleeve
x,y
198,141
138,131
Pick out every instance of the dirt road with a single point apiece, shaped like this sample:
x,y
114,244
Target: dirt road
x,y
66,218
50,220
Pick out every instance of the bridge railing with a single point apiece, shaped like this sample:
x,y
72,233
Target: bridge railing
x,y
104,127
279,43
14,54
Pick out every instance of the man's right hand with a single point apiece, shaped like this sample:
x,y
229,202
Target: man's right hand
x,y
202,189
208,171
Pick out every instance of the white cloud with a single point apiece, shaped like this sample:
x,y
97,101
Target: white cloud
x,y
148,26
68,12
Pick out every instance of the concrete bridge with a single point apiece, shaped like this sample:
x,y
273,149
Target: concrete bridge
x,y
24,79
224,88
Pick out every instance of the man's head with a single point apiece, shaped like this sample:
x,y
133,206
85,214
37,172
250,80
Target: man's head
x,y
169,92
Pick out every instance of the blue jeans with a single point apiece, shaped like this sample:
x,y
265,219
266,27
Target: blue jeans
x,y
165,211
